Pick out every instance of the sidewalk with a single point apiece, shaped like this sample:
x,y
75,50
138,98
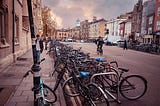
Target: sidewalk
x,y
16,91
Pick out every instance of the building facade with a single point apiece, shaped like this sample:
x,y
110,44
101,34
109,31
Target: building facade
x,y
113,26
63,34
125,29
157,23
84,30
97,28
136,20
148,21
15,37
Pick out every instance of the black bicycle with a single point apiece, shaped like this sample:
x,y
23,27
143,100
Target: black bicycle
x,y
131,87
91,93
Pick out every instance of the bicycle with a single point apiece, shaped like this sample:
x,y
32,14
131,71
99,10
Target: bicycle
x,y
64,64
99,51
91,92
128,86
45,95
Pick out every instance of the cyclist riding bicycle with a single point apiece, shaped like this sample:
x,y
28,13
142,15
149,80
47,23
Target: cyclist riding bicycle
x,y
100,43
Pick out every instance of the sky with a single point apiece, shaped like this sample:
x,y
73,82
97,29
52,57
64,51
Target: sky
x,y
66,12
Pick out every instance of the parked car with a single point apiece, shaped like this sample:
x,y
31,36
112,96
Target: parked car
x,y
70,40
120,43
108,43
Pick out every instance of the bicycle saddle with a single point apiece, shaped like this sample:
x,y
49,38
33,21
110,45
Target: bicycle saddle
x,y
84,74
100,59
124,69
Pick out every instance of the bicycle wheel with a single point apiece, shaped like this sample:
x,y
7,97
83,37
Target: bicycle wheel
x,y
98,96
70,87
133,87
101,52
49,95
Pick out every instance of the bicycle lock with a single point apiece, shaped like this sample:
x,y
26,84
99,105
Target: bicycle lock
x,y
35,67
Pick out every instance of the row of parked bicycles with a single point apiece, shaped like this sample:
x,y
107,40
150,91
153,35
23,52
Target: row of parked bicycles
x,y
94,81
149,48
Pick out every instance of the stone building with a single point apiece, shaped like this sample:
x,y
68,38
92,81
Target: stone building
x,y
84,30
15,37
63,34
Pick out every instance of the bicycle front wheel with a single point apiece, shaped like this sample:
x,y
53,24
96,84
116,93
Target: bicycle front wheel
x,y
97,95
49,95
133,87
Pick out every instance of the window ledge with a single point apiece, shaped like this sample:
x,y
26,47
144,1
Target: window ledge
x,y
25,29
4,45
16,44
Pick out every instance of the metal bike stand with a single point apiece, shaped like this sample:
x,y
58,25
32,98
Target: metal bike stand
x,y
108,92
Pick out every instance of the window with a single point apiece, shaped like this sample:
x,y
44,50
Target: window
x,y
150,30
158,12
16,36
3,27
150,20
158,25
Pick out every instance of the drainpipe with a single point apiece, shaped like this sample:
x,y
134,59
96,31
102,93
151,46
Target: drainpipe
x,y
13,26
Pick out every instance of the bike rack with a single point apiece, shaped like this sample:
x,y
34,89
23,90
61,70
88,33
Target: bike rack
x,y
114,98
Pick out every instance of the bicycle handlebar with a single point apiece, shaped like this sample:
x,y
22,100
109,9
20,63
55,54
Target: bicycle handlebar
x,y
27,73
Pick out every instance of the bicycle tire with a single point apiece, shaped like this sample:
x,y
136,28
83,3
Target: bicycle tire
x,y
98,96
129,87
70,88
49,95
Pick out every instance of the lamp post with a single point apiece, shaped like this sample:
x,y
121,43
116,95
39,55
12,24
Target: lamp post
x,y
35,68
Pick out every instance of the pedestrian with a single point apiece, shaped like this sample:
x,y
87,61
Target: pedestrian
x,y
125,45
39,47
100,43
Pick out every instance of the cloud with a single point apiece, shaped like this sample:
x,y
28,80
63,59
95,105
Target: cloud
x,y
71,10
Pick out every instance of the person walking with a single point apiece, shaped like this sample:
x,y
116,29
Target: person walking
x,y
125,45
39,47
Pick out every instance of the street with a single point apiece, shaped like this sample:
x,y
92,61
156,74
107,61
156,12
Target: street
x,y
144,64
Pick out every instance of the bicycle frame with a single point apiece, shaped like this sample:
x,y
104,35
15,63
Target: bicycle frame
x,y
41,93
110,94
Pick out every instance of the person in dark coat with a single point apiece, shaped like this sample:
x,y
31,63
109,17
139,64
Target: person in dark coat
x,y
125,45
99,43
